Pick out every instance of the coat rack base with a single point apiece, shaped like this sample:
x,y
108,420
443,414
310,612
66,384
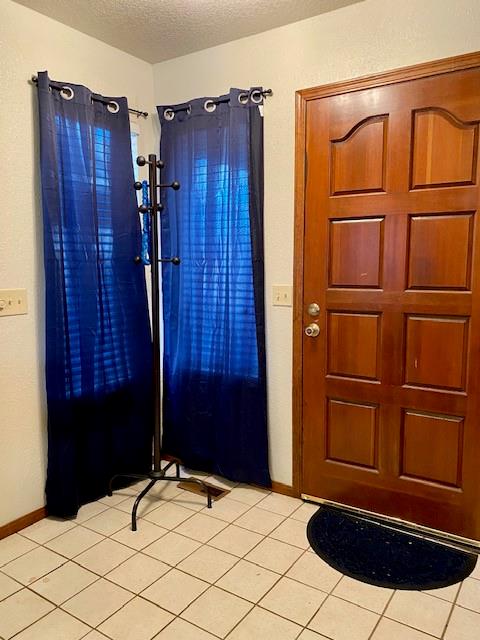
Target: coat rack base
x,y
156,476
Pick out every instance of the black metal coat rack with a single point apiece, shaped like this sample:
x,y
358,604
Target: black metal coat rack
x,y
157,473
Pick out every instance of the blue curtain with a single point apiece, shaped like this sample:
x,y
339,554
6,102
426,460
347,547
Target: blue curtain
x,y
215,416
98,344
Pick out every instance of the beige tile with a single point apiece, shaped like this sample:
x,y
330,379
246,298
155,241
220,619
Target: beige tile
x,y
201,527
63,583
192,501
13,547
420,611
117,497
21,610
293,600
8,586
236,540
342,620
476,572
57,625
469,596
248,581
97,602
226,509
89,510
217,611
445,593
108,522
208,564
169,515
390,630
137,620
265,625
274,555
463,625
248,494
147,504
104,556
94,635
260,520
175,591
305,512
33,565
221,482
138,572
292,532
46,529
284,505
73,542
365,595
165,490
311,635
146,533
182,630
311,570
172,548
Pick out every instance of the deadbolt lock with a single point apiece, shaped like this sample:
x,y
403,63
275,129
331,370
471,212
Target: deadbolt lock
x,y
312,330
313,309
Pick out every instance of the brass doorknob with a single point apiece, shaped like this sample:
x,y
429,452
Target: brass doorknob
x,y
312,330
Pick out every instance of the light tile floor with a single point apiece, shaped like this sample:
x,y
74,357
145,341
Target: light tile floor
x,y
242,571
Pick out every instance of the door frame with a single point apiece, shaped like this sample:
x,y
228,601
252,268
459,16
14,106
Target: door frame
x,y
302,97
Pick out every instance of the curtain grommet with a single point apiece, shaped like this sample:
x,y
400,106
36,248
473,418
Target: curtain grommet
x,y
209,106
256,96
169,114
113,106
243,98
67,93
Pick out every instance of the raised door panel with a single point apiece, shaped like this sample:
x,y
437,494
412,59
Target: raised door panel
x,y
444,149
432,447
440,251
356,252
353,345
436,352
358,158
352,430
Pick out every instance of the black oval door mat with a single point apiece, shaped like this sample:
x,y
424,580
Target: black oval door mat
x,y
385,556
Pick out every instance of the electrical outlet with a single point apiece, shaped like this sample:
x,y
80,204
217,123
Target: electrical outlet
x,y
282,295
13,302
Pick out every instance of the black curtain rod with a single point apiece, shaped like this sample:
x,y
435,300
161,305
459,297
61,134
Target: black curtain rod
x,y
265,93
143,114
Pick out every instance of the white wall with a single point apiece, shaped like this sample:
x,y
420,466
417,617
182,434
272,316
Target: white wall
x,y
364,38
360,39
30,42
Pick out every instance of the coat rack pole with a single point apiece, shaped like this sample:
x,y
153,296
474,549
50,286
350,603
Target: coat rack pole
x,y
157,387
157,473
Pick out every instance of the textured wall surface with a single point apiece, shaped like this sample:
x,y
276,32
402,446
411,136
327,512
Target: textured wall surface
x,y
30,42
363,38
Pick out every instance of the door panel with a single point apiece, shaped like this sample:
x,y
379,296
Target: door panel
x,y
391,385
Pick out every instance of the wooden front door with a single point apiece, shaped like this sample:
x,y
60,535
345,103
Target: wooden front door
x,y
388,188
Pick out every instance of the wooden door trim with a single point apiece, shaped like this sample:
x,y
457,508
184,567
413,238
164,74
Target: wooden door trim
x,y
302,97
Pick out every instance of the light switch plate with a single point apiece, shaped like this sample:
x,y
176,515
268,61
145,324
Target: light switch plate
x,y
13,302
282,295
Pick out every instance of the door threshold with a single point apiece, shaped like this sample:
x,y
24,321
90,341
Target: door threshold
x,y
435,535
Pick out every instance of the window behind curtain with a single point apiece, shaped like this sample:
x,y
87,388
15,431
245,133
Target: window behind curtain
x,y
112,366
216,295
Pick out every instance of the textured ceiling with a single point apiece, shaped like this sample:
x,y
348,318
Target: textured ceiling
x,y
157,30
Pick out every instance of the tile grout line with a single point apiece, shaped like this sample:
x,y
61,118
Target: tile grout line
x,y
381,617
202,544
99,577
